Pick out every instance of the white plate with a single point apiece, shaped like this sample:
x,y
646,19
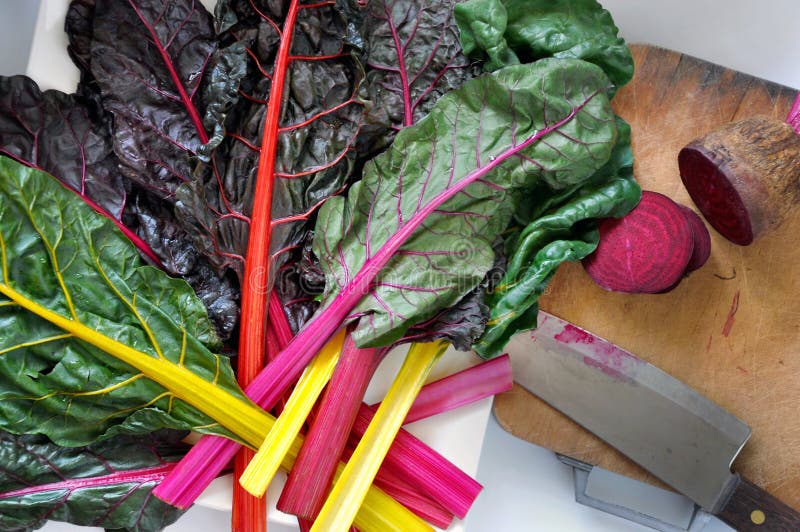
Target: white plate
x,y
457,435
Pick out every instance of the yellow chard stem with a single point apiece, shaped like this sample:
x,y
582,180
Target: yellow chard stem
x,y
350,489
262,468
243,418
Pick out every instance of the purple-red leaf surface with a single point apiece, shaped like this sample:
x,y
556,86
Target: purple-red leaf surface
x,y
149,59
315,135
55,132
413,56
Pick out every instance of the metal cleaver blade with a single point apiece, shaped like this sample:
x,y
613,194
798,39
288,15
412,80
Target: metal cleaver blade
x,y
666,427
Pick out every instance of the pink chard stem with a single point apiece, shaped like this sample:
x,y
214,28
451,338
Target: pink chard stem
x,y
311,477
411,498
467,386
431,474
423,468
137,476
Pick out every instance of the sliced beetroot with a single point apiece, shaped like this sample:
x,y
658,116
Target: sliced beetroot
x,y
646,251
743,177
702,240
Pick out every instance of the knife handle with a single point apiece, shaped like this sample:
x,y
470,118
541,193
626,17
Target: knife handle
x,y
750,508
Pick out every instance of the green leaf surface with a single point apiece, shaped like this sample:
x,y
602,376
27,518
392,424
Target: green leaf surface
x,y
108,484
60,255
448,184
534,29
557,227
483,26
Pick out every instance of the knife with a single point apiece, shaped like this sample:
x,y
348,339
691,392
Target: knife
x,y
669,429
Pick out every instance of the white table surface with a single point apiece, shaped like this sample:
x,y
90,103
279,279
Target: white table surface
x,y
526,488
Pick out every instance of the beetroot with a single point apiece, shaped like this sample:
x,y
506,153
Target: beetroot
x,y
702,240
646,251
744,176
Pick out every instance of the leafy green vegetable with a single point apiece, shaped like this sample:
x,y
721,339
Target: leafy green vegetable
x,y
555,231
483,25
107,484
150,217
464,322
507,31
60,257
448,183
553,224
161,77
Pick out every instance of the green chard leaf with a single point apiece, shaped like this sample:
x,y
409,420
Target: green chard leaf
x,y
62,261
527,30
108,484
556,226
448,185
483,26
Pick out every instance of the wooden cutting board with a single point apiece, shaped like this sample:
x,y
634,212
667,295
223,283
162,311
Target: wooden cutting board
x,y
732,329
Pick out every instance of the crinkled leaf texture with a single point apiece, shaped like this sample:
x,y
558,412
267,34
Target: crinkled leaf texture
x,y
149,212
556,226
165,81
64,257
153,61
449,182
505,31
316,137
57,133
412,56
107,484
464,322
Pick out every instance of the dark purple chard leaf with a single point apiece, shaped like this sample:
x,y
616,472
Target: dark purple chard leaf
x,y
107,484
319,125
55,132
212,89
415,235
158,226
299,282
79,27
220,92
413,56
151,60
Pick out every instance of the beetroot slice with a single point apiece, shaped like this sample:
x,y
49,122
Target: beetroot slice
x,y
701,238
646,251
743,177
712,192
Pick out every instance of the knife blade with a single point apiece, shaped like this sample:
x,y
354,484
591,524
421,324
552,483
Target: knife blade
x,y
666,427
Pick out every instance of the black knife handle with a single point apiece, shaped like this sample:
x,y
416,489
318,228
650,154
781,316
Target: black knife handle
x,y
750,508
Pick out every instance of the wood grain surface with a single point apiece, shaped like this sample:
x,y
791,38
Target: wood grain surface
x,y
732,329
